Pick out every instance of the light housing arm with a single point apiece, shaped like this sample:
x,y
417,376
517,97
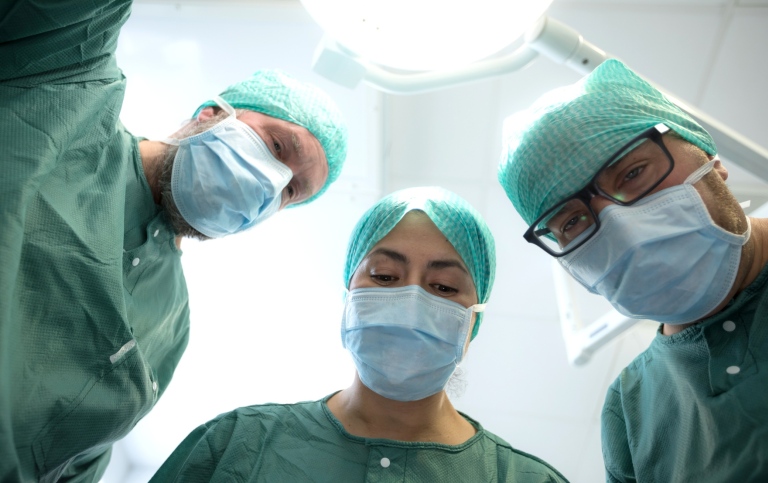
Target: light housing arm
x,y
334,62
563,45
547,36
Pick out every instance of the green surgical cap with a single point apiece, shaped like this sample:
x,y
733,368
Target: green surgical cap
x,y
277,94
455,218
554,148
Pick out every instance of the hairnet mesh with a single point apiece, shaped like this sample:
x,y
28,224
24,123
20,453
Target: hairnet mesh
x,y
277,94
455,218
554,148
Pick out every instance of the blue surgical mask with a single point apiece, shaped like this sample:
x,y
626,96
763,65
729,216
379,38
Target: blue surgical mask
x,y
405,342
226,179
663,258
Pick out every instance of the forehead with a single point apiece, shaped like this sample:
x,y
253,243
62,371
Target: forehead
x,y
416,235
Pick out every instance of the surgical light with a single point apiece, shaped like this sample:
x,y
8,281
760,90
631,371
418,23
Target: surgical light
x,y
419,35
416,46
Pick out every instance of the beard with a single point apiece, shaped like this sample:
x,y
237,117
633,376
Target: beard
x,y
164,171
729,216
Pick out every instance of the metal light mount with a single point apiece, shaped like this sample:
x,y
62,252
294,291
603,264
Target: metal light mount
x,y
564,45
548,36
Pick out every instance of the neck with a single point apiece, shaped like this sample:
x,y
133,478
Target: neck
x,y
152,156
758,255
369,415
754,257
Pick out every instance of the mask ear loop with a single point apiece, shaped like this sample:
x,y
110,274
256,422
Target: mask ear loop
x,y
221,103
699,173
478,308
747,233
224,105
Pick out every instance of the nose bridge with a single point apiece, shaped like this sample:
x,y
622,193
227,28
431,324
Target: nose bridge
x,y
415,276
599,202
594,198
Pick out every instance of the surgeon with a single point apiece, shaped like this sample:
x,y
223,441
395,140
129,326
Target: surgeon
x,y
419,270
626,191
94,311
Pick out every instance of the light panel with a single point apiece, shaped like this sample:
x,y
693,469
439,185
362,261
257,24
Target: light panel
x,y
418,35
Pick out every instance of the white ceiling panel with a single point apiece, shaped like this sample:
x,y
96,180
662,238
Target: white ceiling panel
x,y
457,117
736,90
616,4
535,371
523,286
562,444
590,467
541,404
671,46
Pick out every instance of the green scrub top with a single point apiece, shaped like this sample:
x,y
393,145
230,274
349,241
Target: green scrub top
x,y
694,406
93,305
305,442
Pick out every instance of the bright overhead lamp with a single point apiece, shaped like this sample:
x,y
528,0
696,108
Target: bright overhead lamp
x,y
346,66
420,35
418,46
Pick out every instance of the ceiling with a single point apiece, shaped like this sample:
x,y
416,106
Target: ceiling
x,y
708,53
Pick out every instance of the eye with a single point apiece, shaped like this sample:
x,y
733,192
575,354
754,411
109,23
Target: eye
x,y
573,222
444,289
278,148
383,279
634,173
291,192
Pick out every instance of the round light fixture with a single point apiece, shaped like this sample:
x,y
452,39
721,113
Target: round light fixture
x,y
420,35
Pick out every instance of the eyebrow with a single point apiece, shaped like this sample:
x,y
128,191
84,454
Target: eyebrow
x,y
396,256
433,264
638,151
304,187
442,264
301,186
296,143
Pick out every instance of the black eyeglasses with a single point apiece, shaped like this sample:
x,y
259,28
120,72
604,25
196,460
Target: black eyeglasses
x,y
634,171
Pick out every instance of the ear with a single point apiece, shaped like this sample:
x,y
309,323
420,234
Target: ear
x,y
719,168
206,113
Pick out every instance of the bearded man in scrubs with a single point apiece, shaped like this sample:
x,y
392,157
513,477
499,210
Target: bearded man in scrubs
x,y
419,270
627,192
94,312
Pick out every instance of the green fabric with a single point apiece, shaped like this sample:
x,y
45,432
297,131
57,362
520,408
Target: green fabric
x,y
277,94
676,414
554,148
89,264
304,442
461,224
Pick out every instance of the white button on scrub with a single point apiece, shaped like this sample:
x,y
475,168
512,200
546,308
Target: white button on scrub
x,y
154,386
385,462
733,370
135,262
729,326
157,232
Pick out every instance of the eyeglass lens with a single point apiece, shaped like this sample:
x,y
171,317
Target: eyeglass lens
x,y
625,181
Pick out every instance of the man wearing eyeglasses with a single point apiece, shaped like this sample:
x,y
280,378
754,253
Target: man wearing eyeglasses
x,y
627,192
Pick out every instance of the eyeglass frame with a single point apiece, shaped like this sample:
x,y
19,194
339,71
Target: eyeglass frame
x,y
591,189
